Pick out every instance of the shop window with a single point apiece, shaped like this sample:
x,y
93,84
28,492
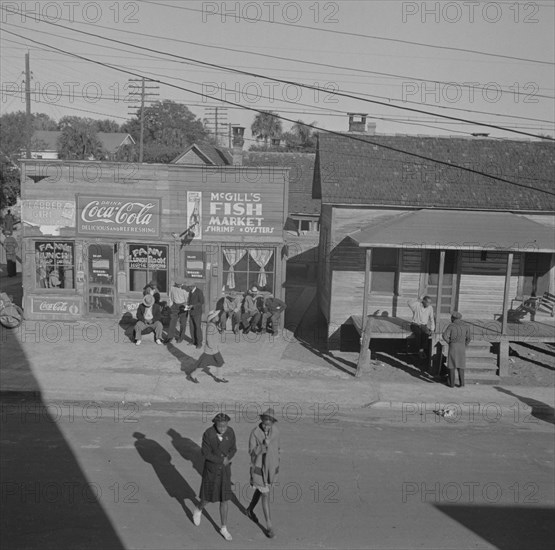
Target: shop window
x,y
55,264
247,267
385,264
148,262
304,225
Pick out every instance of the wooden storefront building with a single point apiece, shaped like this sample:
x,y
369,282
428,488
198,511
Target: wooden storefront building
x,y
396,226
95,233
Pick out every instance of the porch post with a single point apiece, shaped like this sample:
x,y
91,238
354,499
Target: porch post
x,y
438,303
365,334
503,358
506,293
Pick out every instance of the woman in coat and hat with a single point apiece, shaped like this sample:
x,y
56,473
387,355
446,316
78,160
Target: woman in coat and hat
x,y
458,336
218,448
211,355
264,450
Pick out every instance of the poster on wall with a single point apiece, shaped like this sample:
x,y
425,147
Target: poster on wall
x,y
194,214
194,264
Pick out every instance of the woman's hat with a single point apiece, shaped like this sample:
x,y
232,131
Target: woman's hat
x,y
148,300
456,315
212,315
269,413
221,417
254,289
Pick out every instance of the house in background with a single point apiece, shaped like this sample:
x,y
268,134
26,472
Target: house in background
x,y
205,153
44,144
396,225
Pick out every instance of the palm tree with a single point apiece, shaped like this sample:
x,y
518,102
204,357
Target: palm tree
x,y
266,125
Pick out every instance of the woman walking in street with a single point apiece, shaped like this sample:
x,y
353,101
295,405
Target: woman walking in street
x,y
211,355
264,450
218,448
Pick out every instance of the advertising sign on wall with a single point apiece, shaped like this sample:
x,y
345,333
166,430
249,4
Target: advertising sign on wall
x,y
52,213
244,213
71,306
194,264
118,216
194,213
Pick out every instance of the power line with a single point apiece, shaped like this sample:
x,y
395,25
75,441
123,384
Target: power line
x,y
231,69
313,126
350,96
373,37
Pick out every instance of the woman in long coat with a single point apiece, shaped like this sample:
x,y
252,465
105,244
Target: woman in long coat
x,y
458,336
264,450
218,448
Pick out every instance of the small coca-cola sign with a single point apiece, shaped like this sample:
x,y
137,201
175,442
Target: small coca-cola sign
x,y
64,306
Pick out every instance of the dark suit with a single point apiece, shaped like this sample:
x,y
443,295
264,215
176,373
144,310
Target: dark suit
x,y
216,478
196,305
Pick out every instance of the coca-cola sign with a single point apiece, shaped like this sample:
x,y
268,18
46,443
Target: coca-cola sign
x,y
62,306
118,216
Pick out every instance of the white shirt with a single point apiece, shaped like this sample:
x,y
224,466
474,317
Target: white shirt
x,y
422,315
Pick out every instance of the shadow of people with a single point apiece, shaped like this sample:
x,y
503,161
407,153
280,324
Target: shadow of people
x,y
160,460
539,409
187,363
127,324
190,451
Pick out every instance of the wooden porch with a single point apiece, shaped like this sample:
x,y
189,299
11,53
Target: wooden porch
x,y
540,330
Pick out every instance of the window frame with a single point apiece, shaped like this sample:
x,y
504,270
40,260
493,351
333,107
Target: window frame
x,y
36,279
149,272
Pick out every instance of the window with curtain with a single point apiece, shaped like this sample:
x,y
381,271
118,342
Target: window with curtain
x,y
247,267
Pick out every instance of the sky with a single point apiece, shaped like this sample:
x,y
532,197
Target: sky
x,y
483,62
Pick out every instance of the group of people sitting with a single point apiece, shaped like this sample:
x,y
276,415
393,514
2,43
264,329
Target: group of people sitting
x,y
254,311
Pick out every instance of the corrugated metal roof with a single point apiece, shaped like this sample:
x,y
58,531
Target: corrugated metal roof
x,y
458,230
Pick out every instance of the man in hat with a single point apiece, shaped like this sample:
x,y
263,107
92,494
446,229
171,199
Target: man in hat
x,y
273,308
177,301
458,336
264,450
218,449
250,315
211,355
195,305
423,323
149,315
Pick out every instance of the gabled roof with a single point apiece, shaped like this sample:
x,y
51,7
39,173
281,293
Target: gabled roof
x,y
458,230
111,141
362,171
208,153
301,174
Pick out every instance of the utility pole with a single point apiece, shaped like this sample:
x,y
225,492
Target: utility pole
x,y
28,119
217,118
135,89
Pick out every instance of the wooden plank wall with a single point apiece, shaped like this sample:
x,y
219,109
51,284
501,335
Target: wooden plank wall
x,y
482,283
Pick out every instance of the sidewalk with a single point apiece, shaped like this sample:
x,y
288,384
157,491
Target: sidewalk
x,y
96,361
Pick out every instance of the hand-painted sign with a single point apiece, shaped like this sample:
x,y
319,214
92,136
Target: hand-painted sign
x,y
150,257
58,213
236,213
118,216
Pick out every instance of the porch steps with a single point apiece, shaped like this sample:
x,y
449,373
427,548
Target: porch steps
x,y
481,363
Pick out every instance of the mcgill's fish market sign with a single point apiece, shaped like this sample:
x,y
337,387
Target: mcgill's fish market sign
x,y
118,216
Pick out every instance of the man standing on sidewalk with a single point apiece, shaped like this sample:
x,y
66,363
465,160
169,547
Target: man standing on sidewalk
x,y
458,336
177,300
195,305
423,323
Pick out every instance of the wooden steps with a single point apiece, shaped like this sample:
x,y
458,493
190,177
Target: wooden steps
x,y
481,363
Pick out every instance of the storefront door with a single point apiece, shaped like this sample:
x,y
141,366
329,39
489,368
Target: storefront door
x,y
101,283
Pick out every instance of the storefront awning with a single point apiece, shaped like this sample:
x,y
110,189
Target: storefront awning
x,y
458,230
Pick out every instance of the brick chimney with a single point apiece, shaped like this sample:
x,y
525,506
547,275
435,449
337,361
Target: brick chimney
x,y
238,141
357,124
